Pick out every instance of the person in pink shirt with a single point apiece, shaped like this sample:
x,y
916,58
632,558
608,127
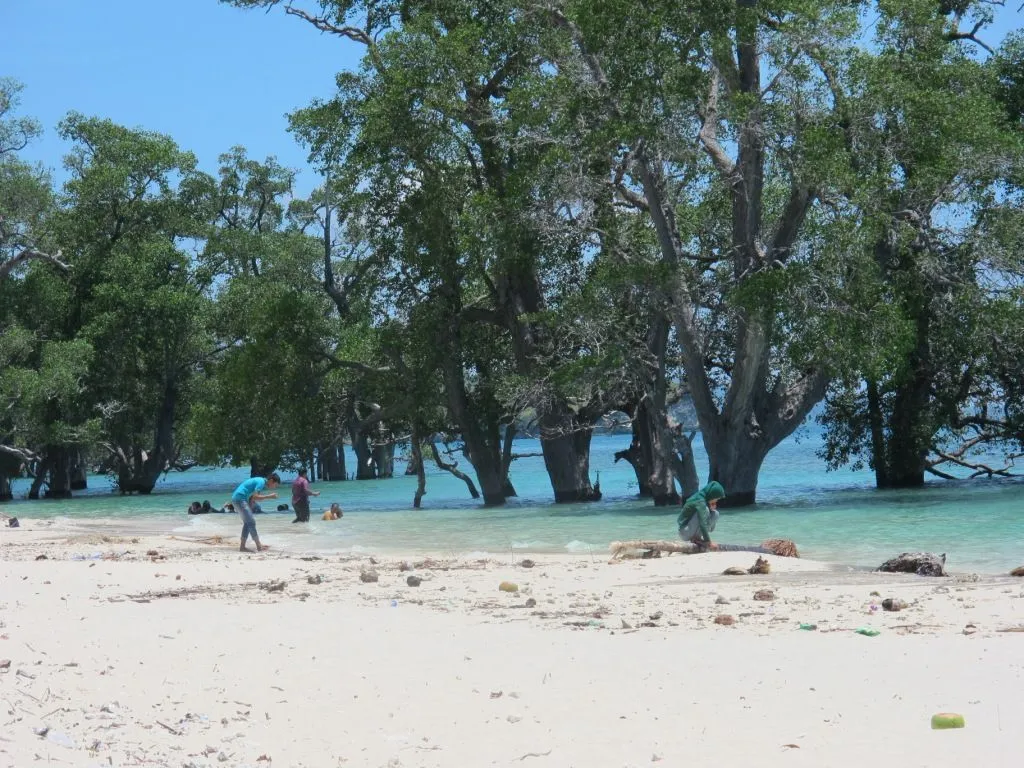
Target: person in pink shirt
x,y
300,497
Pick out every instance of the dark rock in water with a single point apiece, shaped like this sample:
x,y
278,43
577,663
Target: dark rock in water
x,y
921,563
414,581
893,604
527,563
282,507
764,594
368,576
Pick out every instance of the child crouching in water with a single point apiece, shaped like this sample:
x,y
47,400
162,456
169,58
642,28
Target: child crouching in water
x,y
243,499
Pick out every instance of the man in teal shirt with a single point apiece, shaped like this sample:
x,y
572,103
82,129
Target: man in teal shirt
x,y
699,515
242,500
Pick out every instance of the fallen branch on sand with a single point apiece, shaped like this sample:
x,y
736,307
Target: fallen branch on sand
x,y
214,540
644,548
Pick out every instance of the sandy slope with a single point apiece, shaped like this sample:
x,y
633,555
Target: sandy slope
x,y
128,664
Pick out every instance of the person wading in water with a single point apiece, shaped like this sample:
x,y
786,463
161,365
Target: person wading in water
x,y
300,497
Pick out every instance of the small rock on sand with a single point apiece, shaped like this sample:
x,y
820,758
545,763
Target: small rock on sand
x,y
893,604
1017,571
734,571
414,581
317,579
725,620
527,563
764,594
531,603
721,600
368,576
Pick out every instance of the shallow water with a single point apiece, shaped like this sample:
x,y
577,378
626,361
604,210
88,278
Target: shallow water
x,y
833,516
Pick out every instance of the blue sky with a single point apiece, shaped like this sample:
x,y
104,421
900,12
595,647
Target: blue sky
x,y
209,75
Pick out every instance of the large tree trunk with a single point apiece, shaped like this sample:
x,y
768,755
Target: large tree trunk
x,y
416,462
684,464
79,478
736,462
53,471
139,471
60,472
635,456
363,451
565,443
384,459
900,450
910,430
12,463
331,461
482,450
658,451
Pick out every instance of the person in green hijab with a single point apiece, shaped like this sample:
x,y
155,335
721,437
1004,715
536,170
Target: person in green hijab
x,y
700,515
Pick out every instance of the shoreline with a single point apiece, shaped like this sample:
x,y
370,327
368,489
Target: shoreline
x,y
329,545
170,652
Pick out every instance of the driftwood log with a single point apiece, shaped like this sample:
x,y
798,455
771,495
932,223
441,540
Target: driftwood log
x,y
647,548
921,563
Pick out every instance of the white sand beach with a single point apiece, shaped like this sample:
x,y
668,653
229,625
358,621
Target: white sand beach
x,y
201,656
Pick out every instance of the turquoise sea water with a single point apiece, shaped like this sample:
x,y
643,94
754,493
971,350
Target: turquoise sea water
x,y
833,516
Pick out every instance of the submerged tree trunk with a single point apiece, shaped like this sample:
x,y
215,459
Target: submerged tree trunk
x,y
657,449
565,443
363,451
331,461
60,472
416,462
736,462
137,470
635,457
910,430
383,455
79,479
12,464
684,464
902,438
54,472
483,444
